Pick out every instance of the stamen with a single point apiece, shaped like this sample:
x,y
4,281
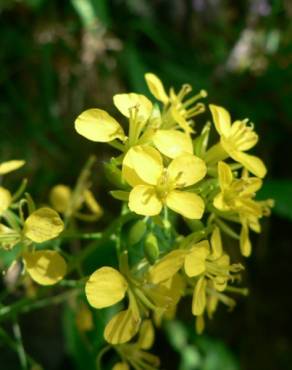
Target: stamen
x,y
197,109
202,94
186,89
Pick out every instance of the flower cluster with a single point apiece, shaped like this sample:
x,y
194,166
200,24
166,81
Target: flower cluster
x,y
166,169
185,197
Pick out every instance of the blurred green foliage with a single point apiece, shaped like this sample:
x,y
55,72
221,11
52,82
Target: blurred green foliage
x,y
60,57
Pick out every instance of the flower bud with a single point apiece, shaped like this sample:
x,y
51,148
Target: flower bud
x,y
151,249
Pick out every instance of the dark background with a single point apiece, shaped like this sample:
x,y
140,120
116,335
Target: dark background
x,y
58,58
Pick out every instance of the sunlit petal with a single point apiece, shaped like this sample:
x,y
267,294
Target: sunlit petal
x,y
252,163
45,267
189,205
156,87
173,143
143,201
146,162
105,287
221,118
97,125
187,170
126,102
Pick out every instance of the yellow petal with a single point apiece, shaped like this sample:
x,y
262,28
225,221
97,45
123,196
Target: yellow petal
x,y
212,304
167,267
200,324
178,116
188,205
105,287
219,202
156,87
199,297
245,244
252,163
187,170
45,267
5,199
10,166
60,197
128,172
173,143
252,185
122,327
221,118
195,261
42,225
98,125
146,335
126,102
225,175
143,201
121,366
177,287
246,138
216,243
146,162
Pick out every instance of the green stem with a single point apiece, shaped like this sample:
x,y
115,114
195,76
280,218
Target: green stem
x,y
74,235
19,345
117,145
13,345
107,234
100,355
27,304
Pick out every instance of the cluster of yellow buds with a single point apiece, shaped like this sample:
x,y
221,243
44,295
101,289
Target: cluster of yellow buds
x,y
46,267
166,168
165,172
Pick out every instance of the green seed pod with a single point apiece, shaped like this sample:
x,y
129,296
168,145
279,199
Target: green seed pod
x,y
151,249
136,232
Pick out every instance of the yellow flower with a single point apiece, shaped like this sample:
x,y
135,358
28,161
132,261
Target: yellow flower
x,y
45,267
236,138
155,186
176,111
208,264
106,287
9,166
135,354
202,262
97,125
42,225
237,195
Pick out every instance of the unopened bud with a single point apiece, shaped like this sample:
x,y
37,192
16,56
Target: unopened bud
x,y
151,249
137,232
